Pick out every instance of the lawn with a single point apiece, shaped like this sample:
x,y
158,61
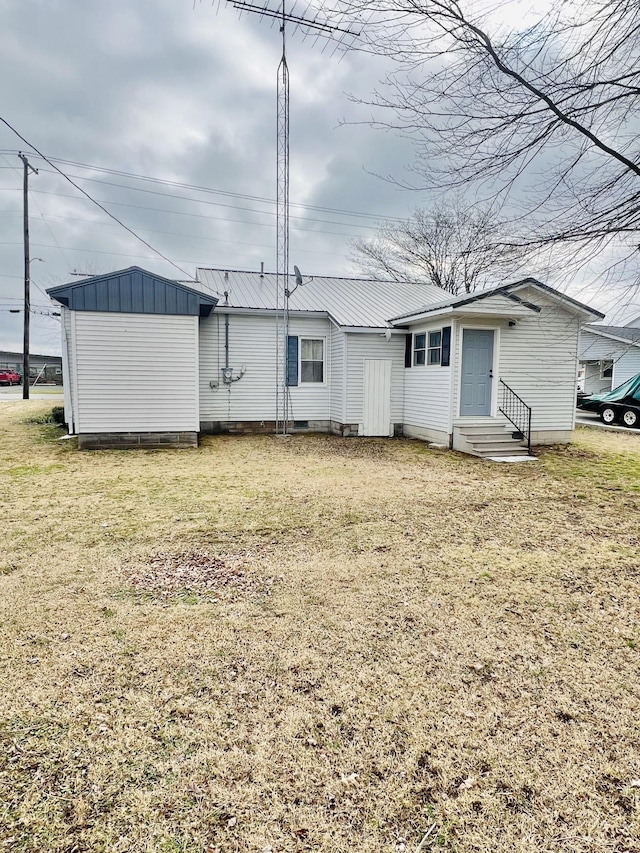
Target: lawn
x,y
317,644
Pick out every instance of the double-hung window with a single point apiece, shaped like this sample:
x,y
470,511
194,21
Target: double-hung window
x,y
428,348
311,360
435,347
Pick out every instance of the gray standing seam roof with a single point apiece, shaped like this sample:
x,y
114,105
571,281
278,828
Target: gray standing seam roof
x,y
133,291
350,302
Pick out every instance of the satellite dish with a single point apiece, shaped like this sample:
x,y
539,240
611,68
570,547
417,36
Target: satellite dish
x,y
298,276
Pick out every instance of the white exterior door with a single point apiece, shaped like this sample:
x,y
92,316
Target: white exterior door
x,y
377,396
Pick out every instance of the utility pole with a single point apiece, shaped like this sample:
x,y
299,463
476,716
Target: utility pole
x,y
27,276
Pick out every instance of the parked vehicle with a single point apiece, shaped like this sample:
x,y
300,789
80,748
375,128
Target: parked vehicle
x,y
9,377
621,405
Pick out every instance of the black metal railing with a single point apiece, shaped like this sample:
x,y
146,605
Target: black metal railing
x,y
516,411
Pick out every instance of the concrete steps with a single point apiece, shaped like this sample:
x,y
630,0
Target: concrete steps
x,y
493,440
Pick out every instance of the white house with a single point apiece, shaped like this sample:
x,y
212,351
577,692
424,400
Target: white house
x,y
483,373
608,356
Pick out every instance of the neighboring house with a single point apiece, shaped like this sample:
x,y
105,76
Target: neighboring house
x,y
608,356
43,368
363,358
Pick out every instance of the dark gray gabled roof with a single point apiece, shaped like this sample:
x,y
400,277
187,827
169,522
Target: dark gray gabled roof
x,y
629,333
133,291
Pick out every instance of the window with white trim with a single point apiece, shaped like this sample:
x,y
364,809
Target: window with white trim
x,y
606,369
428,348
312,360
419,348
435,347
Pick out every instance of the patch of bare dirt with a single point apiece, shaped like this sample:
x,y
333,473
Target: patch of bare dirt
x,y
331,445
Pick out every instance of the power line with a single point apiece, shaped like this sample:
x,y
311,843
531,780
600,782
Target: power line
x,y
212,190
204,216
252,244
97,203
217,203
125,254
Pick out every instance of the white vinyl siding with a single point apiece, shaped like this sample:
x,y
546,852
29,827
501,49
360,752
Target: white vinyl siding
x,y
627,366
336,381
498,305
427,403
361,346
596,348
252,344
135,372
538,360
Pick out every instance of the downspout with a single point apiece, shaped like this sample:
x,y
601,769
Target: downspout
x,y
226,338
226,323
66,376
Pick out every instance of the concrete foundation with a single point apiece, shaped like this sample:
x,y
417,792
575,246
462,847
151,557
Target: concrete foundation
x,y
144,440
269,427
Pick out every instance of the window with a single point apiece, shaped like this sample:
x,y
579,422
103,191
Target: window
x,y
435,347
606,370
428,348
311,360
419,348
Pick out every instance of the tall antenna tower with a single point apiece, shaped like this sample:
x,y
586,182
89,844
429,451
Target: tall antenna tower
x,y
326,29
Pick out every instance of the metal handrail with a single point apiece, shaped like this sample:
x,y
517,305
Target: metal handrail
x,y
517,412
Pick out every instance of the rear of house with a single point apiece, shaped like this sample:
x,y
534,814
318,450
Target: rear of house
x,y
487,370
149,361
344,362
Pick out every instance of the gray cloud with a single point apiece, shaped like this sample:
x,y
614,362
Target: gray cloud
x,y
183,92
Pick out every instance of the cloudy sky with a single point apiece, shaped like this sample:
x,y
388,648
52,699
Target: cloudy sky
x,y
164,111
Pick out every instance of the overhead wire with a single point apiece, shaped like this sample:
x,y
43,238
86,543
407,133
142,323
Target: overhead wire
x,y
94,201
198,215
252,244
213,190
215,203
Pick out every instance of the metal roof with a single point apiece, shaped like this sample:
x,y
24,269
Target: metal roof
x,y
133,291
505,290
354,302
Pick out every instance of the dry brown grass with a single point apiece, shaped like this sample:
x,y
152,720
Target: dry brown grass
x,y
449,645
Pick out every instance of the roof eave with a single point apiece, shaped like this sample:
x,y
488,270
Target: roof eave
x,y
578,307
631,341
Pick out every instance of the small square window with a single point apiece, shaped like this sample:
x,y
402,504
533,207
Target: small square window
x,y
311,360
435,347
606,370
419,349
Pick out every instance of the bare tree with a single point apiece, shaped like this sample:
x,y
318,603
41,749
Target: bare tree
x,y
543,118
454,248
